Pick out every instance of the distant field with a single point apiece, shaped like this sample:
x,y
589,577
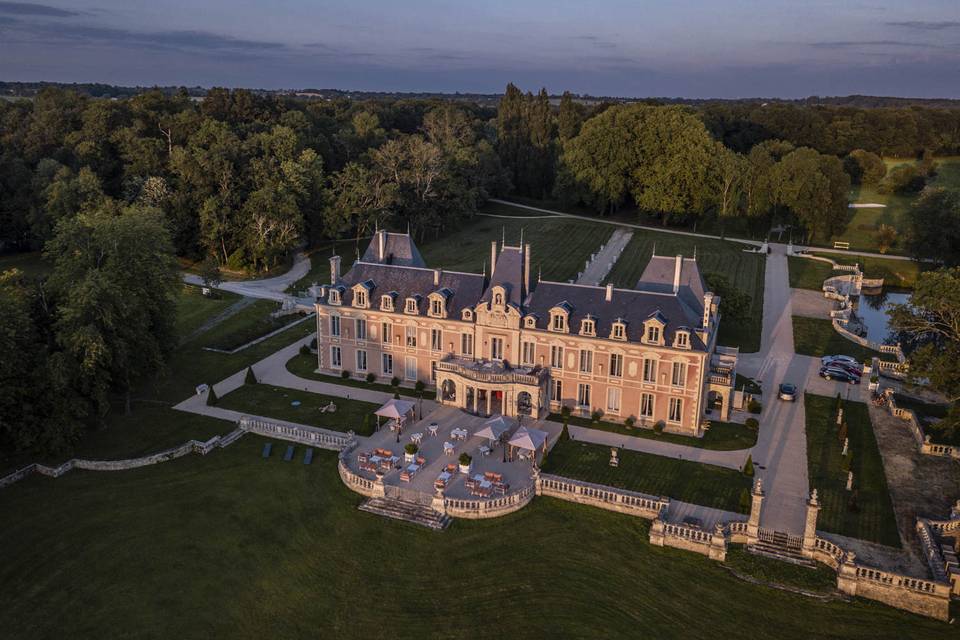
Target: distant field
x,y
863,224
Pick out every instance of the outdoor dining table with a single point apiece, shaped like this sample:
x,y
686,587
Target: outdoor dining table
x,y
416,438
459,434
444,478
432,428
485,450
448,448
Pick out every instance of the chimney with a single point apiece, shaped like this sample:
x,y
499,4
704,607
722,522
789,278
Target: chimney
x,y
381,238
707,308
493,256
526,270
676,274
436,277
334,269
609,295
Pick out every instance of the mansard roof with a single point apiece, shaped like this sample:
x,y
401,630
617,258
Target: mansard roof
x,y
398,249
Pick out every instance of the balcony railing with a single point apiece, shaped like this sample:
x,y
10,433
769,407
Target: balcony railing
x,y
486,371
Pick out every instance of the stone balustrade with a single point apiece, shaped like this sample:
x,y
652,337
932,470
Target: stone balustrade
x,y
602,496
475,509
925,597
828,553
302,434
356,482
923,441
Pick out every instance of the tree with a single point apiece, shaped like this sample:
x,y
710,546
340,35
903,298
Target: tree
x,y
734,303
933,226
886,237
250,377
570,117
114,281
210,272
748,467
212,398
931,325
864,167
745,501
814,188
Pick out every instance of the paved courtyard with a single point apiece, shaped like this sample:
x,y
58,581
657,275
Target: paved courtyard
x,y
517,473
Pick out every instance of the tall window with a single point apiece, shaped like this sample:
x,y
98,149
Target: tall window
x,y
676,410
586,361
649,370
386,333
583,395
360,298
411,306
556,357
386,363
527,353
679,377
466,344
335,360
558,322
556,390
613,400
616,365
653,334
683,339
619,331
386,303
410,368
646,405
496,348
411,336
436,339
361,329
436,307
433,371
335,326
361,360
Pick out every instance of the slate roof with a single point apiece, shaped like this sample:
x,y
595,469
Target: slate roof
x,y
658,276
508,272
398,248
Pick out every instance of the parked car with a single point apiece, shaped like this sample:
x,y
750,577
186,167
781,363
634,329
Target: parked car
x,y
787,392
845,361
839,374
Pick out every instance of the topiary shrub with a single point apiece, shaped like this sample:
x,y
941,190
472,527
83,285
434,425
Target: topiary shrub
x,y
752,423
754,406
394,381
630,422
396,395
371,377
596,415
564,433
745,501
659,426
420,386
565,412
465,459
304,350
345,374
212,398
313,344
411,448
250,378
748,467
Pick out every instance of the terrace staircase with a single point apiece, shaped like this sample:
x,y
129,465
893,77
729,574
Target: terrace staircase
x,y
407,511
780,546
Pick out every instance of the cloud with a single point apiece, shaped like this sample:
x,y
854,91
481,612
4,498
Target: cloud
x,y
925,25
30,9
845,44
596,41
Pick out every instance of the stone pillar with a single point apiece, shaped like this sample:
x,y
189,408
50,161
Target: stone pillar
x,y
718,544
810,526
753,524
379,490
847,574
656,533
537,483
437,503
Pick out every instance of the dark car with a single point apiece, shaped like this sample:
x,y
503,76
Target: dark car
x,y
787,392
844,362
839,374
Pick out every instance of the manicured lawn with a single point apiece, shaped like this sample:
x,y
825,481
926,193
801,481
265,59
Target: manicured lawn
x,y
872,519
249,324
817,337
722,436
745,271
320,262
233,546
560,246
193,308
305,367
277,402
808,274
900,274
702,484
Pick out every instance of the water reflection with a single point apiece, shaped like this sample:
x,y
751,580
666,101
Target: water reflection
x,y
873,308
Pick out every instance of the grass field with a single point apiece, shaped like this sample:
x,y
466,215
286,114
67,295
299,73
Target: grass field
x,y
722,436
745,271
899,274
819,579
560,246
277,402
873,518
305,367
242,328
702,484
193,308
816,337
808,274
233,546
860,230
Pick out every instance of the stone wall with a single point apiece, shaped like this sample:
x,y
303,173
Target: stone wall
x,y
302,434
491,508
923,441
681,536
925,597
604,497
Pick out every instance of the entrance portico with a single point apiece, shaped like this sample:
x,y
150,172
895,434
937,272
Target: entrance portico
x,y
491,388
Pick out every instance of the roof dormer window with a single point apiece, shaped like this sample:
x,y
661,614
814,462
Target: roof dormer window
x,y
653,334
681,339
588,327
530,322
386,303
360,298
411,306
619,330
335,295
436,307
467,314
558,322
653,328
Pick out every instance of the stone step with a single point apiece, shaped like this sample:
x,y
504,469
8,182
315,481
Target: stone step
x,y
780,552
406,511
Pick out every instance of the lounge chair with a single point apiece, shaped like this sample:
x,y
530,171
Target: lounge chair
x,y
267,448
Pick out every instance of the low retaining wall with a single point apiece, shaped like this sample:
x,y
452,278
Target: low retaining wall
x,y
302,434
925,597
681,536
191,446
604,497
492,508
923,441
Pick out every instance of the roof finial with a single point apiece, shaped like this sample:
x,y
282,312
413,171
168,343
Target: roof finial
x,y
504,242
539,273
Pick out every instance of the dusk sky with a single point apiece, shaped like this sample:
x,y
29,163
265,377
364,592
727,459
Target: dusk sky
x,y
689,48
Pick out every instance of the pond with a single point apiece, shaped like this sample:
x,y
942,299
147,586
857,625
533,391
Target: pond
x,y
872,309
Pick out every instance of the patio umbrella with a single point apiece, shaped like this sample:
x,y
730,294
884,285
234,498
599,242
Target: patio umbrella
x,y
397,409
494,428
529,440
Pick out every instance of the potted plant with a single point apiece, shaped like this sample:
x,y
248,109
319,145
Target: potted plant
x,y
410,452
874,382
465,462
